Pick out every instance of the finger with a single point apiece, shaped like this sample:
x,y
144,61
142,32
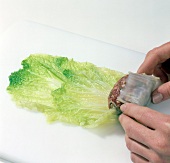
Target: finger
x,y
136,158
141,150
162,93
137,148
143,115
154,57
136,130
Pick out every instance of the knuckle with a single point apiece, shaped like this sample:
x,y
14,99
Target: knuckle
x,y
129,129
153,51
129,145
160,145
141,115
166,125
133,157
156,158
165,90
125,123
120,118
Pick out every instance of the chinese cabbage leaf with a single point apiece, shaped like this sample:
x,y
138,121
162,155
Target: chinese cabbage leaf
x,y
64,90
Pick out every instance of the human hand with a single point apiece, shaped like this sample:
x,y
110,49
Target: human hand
x,y
147,133
157,62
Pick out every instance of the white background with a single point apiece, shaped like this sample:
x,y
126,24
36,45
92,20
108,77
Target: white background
x,y
134,24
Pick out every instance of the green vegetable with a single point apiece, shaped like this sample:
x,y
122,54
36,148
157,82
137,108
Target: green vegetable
x,y
64,90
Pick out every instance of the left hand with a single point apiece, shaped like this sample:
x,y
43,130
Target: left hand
x,y
147,134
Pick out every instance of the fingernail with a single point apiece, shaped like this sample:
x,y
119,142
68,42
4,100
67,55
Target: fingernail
x,y
123,107
157,98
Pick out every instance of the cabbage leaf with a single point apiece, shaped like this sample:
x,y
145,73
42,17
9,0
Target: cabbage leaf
x,y
64,90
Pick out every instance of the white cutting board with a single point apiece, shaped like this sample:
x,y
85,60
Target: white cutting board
x,y
24,135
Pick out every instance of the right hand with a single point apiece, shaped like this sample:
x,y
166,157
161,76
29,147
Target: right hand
x,y
157,62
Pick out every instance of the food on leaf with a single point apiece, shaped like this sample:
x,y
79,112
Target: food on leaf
x,y
134,88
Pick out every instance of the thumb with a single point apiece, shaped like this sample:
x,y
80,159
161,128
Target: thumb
x,y
161,93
